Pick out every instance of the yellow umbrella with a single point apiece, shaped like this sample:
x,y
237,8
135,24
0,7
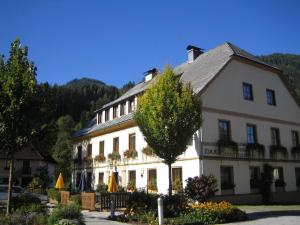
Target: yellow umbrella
x,y
60,182
112,185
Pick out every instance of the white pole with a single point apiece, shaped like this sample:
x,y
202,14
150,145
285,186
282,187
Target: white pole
x,y
160,211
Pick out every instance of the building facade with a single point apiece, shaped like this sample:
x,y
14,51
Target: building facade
x,y
250,117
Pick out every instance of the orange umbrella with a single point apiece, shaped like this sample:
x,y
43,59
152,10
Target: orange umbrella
x,y
112,185
60,182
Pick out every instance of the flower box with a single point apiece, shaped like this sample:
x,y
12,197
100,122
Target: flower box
x,y
115,156
148,151
100,158
130,153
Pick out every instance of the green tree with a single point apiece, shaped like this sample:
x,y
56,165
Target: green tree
x,y
62,150
168,114
17,88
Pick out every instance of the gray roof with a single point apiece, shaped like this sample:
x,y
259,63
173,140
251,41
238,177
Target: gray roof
x,y
198,73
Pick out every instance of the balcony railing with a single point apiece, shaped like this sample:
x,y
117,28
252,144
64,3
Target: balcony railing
x,y
213,149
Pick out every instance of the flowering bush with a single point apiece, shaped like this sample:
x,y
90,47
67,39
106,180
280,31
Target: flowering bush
x,y
114,156
223,207
130,153
201,188
148,151
100,158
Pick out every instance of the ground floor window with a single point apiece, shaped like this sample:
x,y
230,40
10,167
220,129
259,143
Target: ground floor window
x,y
177,179
227,177
152,180
78,177
131,180
297,171
278,177
254,177
89,180
101,178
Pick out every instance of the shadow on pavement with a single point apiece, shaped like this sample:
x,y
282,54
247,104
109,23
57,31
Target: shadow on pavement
x,y
268,214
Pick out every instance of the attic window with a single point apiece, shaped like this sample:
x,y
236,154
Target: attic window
x,y
99,117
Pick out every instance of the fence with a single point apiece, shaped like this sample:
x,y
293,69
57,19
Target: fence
x,y
88,201
103,200
64,197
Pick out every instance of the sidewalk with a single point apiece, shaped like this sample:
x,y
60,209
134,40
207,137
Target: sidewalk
x,y
97,218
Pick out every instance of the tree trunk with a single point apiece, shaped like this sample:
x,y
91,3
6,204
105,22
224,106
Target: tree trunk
x,y
170,179
10,184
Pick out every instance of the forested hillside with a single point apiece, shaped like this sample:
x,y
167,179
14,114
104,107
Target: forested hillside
x,y
290,64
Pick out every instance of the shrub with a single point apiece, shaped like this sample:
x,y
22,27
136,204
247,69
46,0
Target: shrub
x,y
54,194
201,188
101,188
76,199
69,211
174,205
25,199
36,186
37,208
177,186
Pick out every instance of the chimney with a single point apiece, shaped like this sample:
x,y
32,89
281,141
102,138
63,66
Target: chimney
x,y
150,74
193,53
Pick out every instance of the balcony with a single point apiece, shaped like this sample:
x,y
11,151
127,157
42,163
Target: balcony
x,y
232,150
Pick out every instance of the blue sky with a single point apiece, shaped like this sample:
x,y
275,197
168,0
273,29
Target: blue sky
x,y
116,41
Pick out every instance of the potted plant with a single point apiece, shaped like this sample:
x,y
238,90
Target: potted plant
x,y
115,156
152,185
130,153
100,158
148,151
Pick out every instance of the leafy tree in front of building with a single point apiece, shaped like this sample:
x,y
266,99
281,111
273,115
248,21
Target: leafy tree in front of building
x,y
168,114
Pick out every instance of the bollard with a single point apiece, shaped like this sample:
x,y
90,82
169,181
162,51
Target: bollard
x,y
160,211
112,206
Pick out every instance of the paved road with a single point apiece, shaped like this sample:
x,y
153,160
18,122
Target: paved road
x,y
98,218
272,215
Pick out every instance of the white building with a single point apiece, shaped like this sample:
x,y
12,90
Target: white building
x,y
250,117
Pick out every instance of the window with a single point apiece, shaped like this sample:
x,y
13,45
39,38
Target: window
x,y
278,174
99,117
106,115
271,97
122,110
247,91
295,138
131,141
89,180
101,148
116,144
115,111
254,177
152,179
130,105
251,134
227,177
101,178
132,178
297,171
177,177
224,130
78,178
26,167
79,153
89,150
275,136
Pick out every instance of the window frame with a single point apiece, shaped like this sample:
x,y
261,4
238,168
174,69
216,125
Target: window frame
x,y
122,108
248,125
248,93
101,174
277,136
115,111
273,99
106,112
231,177
295,139
130,105
101,147
130,141
228,135
116,144
99,115
89,151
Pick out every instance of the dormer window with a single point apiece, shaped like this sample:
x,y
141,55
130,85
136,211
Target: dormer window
x,y
122,108
99,117
130,105
106,115
115,111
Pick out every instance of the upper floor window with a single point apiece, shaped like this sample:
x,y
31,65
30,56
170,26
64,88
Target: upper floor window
x,y
115,111
251,134
99,117
132,141
271,97
247,91
224,130
79,152
130,105
106,115
116,144
295,138
275,136
101,148
122,108
89,150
